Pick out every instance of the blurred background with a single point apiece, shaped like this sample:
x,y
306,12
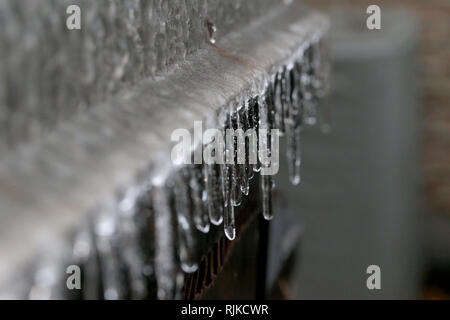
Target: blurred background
x,y
376,189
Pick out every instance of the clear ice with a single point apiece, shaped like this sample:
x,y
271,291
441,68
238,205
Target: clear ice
x,y
147,235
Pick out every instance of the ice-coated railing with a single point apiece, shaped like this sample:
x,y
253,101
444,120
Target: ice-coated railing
x,y
104,185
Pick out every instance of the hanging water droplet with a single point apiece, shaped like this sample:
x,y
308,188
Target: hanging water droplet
x,y
229,223
211,31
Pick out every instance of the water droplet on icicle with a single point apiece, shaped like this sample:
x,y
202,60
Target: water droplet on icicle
x,y
229,223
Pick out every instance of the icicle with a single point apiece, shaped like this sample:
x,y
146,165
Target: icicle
x,y
294,156
229,223
243,124
47,278
199,198
214,197
148,241
320,84
236,168
285,95
226,175
130,251
214,193
279,85
297,95
228,214
184,221
293,128
310,111
265,148
266,186
179,284
236,194
254,109
251,144
105,230
85,252
165,268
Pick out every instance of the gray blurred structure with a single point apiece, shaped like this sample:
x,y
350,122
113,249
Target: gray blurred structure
x,y
360,194
87,116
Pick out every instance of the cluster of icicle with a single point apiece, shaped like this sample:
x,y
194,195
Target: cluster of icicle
x,y
144,248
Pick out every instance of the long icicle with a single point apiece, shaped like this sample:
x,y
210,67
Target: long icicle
x,y
245,168
228,215
236,167
214,193
265,138
186,239
293,124
199,198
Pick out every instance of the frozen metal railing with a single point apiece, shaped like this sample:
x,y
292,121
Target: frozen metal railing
x,y
107,177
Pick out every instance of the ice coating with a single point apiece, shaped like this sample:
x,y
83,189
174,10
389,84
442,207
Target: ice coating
x,y
215,189
154,240
194,196
122,42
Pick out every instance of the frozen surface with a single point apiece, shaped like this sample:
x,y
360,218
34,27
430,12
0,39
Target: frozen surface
x,y
48,73
112,162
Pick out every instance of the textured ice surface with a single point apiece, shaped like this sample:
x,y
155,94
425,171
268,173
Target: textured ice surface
x,y
48,73
113,160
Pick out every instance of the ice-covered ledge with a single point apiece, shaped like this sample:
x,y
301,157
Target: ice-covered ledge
x,y
92,163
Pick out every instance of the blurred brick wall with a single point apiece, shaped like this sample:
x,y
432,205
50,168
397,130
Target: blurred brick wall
x,y
434,16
